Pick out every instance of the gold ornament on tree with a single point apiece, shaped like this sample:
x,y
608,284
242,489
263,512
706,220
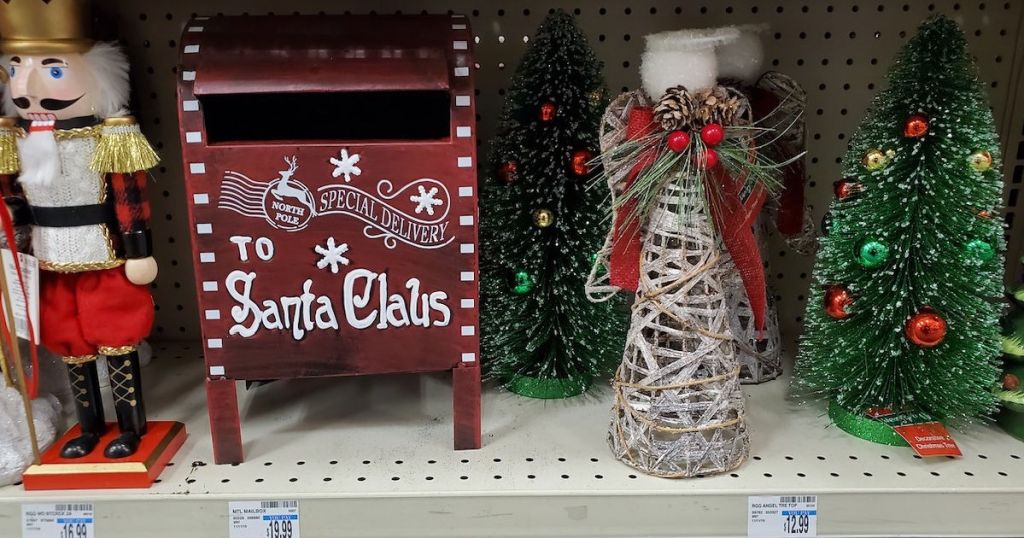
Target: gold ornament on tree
x,y
543,218
876,159
980,160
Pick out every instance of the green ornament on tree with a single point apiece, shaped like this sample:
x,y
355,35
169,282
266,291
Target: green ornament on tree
x,y
872,254
523,283
980,250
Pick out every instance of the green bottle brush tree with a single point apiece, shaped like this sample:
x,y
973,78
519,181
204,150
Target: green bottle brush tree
x,y
541,225
906,297
1009,391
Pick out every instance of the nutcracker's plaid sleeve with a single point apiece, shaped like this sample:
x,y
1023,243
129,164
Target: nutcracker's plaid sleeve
x,y
132,207
13,196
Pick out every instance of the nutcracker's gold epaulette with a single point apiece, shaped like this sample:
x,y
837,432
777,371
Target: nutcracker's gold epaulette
x,y
9,163
122,148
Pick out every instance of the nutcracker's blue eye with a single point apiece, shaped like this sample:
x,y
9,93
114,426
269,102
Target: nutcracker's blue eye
x,y
56,72
10,71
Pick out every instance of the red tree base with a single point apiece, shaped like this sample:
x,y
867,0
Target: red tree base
x,y
96,471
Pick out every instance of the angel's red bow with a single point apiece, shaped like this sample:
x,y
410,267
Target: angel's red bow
x,y
733,217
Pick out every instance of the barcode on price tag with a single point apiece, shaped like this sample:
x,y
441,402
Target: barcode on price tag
x,y
263,519
57,521
782,516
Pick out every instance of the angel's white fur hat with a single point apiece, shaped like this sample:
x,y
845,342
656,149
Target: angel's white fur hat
x,y
683,58
743,58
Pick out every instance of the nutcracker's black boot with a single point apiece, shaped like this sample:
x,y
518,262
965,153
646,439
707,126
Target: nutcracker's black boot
x,y
85,384
126,384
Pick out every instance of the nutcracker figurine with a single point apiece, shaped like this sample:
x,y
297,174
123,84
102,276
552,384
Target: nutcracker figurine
x,y
73,167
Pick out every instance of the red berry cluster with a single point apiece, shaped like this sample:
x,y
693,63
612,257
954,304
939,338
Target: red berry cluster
x,y
711,134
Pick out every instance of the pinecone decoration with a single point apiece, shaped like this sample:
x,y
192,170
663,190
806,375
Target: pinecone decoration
x,y
675,109
715,105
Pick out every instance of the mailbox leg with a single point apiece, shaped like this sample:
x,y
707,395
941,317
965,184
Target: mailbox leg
x,y
466,399
225,424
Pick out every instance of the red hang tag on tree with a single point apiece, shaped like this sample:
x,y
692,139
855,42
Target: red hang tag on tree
x,y
927,437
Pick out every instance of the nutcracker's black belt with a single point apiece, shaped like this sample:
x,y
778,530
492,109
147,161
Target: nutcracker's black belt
x,y
71,216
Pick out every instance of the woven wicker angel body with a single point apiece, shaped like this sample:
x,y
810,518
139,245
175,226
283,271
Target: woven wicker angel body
x,y
688,181
777,106
74,169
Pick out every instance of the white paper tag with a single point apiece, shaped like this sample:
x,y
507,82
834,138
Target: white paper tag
x,y
57,521
30,273
263,519
779,516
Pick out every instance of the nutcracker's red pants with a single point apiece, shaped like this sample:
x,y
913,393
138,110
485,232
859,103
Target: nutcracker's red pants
x,y
82,314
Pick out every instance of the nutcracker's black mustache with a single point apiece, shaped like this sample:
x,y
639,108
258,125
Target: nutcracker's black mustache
x,y
48,104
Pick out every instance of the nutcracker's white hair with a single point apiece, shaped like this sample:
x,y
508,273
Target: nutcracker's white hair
x,y
108,77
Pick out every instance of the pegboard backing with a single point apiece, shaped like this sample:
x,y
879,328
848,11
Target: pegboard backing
x,y
839,51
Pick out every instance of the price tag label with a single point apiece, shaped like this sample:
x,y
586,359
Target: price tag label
x,y
778,516
30,272
263,519
57,521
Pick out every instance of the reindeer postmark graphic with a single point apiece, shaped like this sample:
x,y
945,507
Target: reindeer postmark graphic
x,y
415,214
288,203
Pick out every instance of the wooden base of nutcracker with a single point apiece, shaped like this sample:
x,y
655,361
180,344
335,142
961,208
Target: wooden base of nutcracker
x,y
95,471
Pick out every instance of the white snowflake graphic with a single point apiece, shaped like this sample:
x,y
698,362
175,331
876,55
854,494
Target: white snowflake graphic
x,y
426,200
332,255
345,165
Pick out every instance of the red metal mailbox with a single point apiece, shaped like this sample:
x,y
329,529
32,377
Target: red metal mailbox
x,y
331,172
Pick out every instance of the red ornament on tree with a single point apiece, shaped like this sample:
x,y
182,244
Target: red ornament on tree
x,y
844,188
708,159
837,298
712,134
926,328
507,172
1011,382
916,126
581,161
548,111
678,140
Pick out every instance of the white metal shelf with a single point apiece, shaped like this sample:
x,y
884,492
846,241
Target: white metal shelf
x,y
372,457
